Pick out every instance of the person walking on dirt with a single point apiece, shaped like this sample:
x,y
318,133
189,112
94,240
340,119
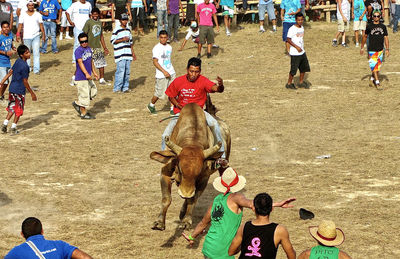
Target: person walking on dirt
x,y
260,237
343,17
378,38
165,72
328,237
298,57
36,246
18,86
84,80
94,29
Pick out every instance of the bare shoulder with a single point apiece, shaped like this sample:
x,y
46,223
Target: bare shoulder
x,y
281,230
305,254
343,255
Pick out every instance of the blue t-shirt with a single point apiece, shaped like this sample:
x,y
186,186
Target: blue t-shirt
x,y
65,4
359,8
51,249
86,55
5,45
290,6
20,72
52,6
229,3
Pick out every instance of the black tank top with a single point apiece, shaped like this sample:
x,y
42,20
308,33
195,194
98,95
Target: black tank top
x,y
258,241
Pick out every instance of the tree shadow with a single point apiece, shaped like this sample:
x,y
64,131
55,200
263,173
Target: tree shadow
x,y
36,121
68,46
381,77
136,82
48,64
100,106
4,199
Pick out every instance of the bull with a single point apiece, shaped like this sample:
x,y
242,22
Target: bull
x,y
189,162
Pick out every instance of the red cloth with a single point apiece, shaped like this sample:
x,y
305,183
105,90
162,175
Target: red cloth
x,y
16,103
189,92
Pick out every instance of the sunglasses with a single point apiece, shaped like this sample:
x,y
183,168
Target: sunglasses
x,y
83,41
377,16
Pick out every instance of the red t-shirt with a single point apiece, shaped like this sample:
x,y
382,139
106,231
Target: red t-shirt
x,y
189,92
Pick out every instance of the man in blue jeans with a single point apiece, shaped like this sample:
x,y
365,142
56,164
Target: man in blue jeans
x,y
396,15
77,15
162,16
31,23
51,14
193,88
266,5
121,38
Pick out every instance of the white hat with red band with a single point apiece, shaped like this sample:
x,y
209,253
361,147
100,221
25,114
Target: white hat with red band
x,y
230,181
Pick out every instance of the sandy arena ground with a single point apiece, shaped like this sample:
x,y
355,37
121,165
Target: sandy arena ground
x,y
93,184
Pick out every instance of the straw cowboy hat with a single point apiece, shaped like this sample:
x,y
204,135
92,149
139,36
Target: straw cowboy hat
x,y
230,181
327,233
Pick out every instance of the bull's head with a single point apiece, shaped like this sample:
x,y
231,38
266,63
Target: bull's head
x,y
186,164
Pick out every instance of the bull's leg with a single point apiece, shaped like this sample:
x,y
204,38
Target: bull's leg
x,y
166,184
189,204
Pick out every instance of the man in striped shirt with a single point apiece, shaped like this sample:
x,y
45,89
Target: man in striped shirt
x,y
123,54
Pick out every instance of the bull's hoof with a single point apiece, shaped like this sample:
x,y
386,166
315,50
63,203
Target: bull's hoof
x,y
185,224
158,225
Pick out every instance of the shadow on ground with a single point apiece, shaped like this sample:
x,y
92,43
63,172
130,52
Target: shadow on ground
x,y
4,200
36,121
100,106
47,64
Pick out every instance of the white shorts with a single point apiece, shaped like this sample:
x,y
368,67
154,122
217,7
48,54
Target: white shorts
x,y
359,25
162,85
64,20
3,73
342,27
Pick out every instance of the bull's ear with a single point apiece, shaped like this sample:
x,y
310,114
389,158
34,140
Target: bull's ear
x,y
162,156
215,156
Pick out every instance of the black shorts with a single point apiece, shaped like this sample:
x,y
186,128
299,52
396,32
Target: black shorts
x,y
299,62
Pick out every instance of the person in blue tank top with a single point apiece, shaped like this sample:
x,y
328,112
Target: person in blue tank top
x,y
36,246
328,237
7,49
225,215
260,238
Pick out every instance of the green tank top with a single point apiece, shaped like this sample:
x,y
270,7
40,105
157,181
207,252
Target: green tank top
x,y
224,224
324,252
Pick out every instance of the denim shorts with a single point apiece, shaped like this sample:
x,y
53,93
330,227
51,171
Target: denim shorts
x,y
270,10
3,73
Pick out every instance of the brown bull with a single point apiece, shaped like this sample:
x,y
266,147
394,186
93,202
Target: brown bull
x,y
189,162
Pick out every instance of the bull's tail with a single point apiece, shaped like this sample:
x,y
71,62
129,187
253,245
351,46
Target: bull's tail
x,y
210,108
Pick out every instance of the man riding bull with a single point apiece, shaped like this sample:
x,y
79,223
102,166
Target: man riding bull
x,y
193,88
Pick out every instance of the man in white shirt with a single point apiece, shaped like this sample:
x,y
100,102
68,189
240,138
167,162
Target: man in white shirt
x,y
298,57
165,72
77,15
31,23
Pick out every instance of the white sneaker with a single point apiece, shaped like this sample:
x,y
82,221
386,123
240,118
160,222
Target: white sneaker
x,y
102,81
357,45
60,37
68,37
228,33
72,83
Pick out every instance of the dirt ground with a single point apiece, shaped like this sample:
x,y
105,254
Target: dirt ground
x,y
93,184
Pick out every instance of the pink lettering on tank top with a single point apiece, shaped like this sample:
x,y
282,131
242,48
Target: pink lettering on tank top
x,y
255,243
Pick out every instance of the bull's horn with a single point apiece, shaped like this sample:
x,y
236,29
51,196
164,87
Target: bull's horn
x,y
212,150
174,147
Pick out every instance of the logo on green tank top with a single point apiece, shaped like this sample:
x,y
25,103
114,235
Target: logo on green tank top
x,y
218,212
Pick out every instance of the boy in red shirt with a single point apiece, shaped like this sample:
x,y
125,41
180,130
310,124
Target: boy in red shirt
x,y
193,88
